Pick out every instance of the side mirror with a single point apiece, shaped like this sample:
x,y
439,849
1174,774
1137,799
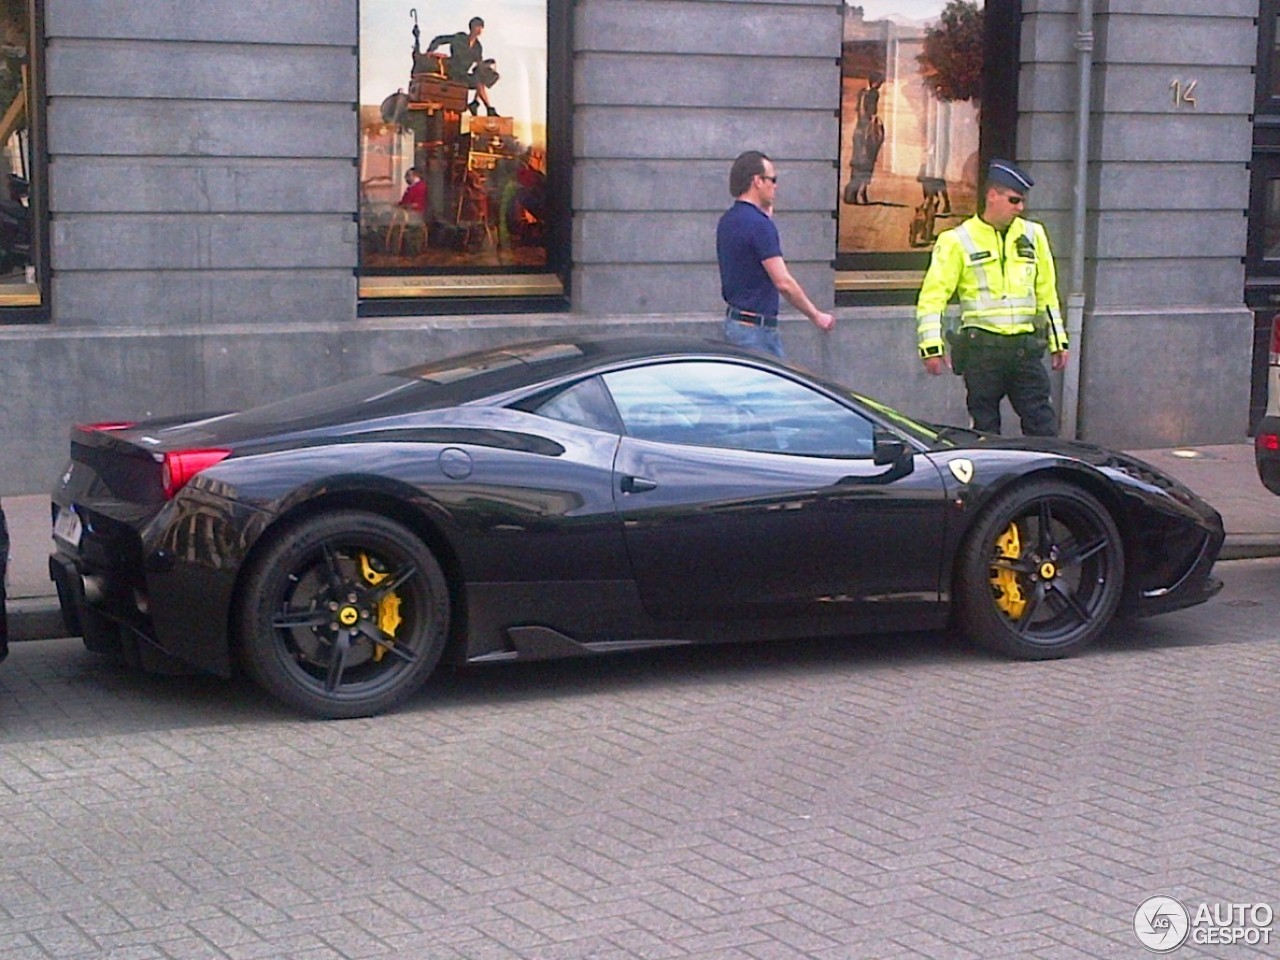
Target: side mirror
x,y
887,448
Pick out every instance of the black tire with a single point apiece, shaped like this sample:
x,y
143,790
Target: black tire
x,y
1041,573
345,615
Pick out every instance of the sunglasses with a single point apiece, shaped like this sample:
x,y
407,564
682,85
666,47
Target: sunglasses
x,y
1016,201
773,179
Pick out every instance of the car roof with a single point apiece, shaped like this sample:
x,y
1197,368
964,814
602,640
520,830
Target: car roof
x,y
590,351
500,370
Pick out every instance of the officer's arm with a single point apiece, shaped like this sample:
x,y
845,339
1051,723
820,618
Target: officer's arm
x,y
1047,292
439,41
940,283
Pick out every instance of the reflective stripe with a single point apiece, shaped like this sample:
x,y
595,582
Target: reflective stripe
x,y
979,272
929,327
1004,306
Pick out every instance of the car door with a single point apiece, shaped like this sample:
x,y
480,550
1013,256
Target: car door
x,y
747,493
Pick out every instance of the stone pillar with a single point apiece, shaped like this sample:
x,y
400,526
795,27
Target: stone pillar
x,y
1166,348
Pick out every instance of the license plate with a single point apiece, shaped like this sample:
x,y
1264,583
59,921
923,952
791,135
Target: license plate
x,y
67,527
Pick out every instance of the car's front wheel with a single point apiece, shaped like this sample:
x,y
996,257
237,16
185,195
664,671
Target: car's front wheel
x,y
1041,573
344,615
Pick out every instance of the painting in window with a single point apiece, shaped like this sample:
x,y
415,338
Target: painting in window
x,y
453,136
911,76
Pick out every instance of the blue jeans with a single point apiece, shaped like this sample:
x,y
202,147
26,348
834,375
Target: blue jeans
x,y
754,337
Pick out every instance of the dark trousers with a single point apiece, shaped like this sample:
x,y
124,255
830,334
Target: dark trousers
x,y
1000,365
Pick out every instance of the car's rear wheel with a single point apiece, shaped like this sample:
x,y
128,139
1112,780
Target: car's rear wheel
x,y
344,615
1041,573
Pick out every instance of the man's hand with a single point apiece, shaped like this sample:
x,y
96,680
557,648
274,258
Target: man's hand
x,y
1060,360
823,321
934,365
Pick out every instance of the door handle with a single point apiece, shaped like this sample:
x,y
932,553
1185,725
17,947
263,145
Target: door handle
x,y
632,484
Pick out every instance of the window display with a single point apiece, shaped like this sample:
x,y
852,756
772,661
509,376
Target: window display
x,y
18,277
453,138
911,75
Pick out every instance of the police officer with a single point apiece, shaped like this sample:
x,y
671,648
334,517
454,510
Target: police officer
x,y
1002,269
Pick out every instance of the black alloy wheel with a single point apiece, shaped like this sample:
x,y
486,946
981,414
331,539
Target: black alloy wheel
x,y
1042,572
344,615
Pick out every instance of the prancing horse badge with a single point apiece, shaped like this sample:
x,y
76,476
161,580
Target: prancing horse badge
x,y
963,470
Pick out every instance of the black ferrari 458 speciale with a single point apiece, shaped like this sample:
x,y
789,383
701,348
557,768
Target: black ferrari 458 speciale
x,y
576,497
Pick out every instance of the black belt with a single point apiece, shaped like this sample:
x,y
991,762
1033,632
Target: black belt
x,y
1011,341
746,316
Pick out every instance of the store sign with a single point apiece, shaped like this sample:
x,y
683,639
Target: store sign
x,y
453,142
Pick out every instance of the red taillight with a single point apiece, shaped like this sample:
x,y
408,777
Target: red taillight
x,y
105,425
181,465
1267,441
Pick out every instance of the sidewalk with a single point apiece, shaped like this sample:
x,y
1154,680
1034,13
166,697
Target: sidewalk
x,y
1223,475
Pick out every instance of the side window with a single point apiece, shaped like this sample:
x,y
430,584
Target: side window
x,y
721,404
584,404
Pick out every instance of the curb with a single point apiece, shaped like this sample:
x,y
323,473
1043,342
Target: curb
x,y
35,618
40,618
1250,546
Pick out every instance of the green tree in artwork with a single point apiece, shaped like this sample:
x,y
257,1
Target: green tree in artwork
x,y
951,63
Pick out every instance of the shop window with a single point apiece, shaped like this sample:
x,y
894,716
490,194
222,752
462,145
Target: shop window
x,y
1262,256
928,94
462,159
1268,67
21,180
1271,221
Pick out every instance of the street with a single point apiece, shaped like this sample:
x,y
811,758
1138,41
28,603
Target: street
x,y
869,797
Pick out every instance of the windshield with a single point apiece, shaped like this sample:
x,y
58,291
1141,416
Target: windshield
x,y
929,434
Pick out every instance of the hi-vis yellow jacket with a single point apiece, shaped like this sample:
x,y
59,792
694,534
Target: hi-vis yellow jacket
x,y
1001,288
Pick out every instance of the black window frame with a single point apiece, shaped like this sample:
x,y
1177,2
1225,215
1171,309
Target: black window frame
x,y
1264,103
1264,165
1264,168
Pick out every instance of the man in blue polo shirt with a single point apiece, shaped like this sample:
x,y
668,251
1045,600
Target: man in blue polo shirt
x,y
752,271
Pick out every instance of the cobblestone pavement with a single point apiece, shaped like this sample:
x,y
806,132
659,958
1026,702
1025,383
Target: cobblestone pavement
x,y
888,797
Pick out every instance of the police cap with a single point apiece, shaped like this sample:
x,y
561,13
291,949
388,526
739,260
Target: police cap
x,y
1005,174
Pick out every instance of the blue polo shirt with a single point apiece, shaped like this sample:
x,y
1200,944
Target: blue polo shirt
x,y
745,237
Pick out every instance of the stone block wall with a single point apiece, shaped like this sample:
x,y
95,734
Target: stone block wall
x,y
666,94
201,161
1166,335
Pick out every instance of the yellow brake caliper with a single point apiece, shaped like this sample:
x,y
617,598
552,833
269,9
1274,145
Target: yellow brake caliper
x,y
1008,591
388,608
